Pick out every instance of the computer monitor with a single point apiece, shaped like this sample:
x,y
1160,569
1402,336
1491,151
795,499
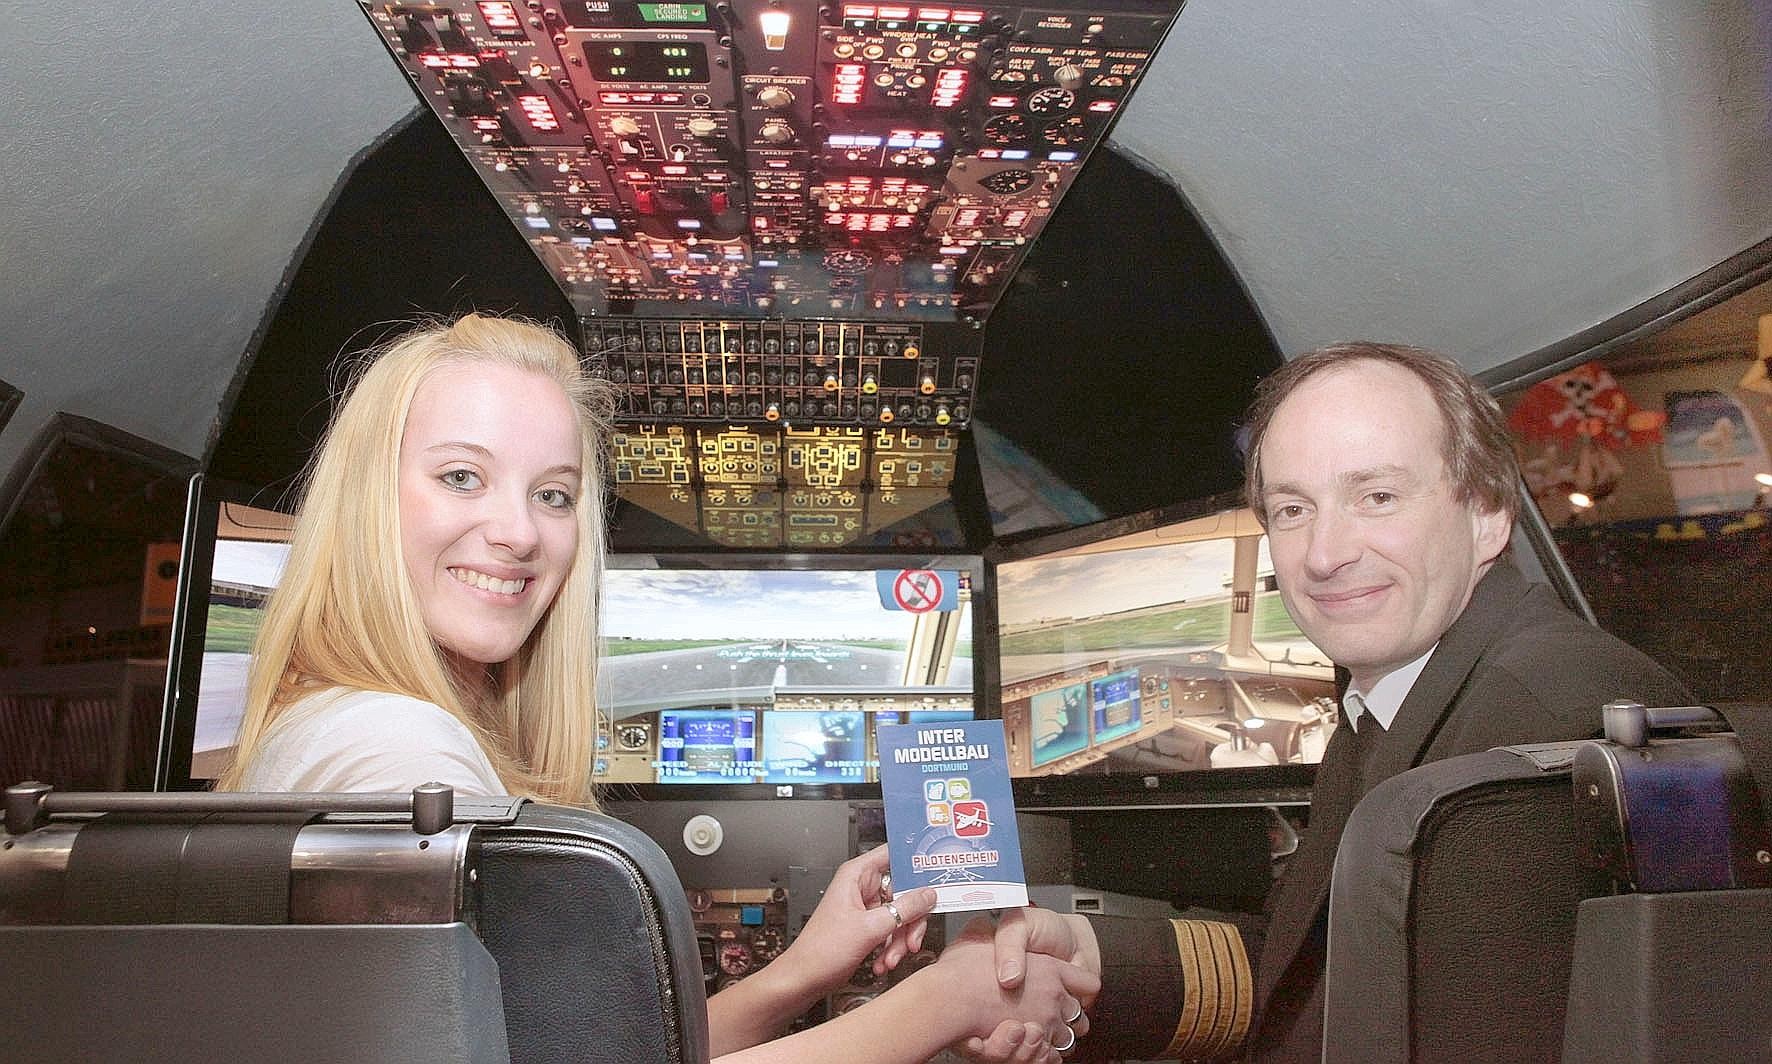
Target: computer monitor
x,y
231,557
1154,647
820,650
818,747
700,653
707,746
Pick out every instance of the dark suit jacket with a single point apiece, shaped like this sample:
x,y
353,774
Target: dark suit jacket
x,y
1516,667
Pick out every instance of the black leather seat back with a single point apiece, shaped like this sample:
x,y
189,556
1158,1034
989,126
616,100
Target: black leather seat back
x,y
594,941
199,927
1452,913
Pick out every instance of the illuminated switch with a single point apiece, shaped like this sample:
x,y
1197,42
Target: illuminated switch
x,y
644,202
719,202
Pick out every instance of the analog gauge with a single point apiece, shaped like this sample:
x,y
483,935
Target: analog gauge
x,y
1008,182
735,958
1051,100
844,261
767,943
633,736
1066,132
1007,129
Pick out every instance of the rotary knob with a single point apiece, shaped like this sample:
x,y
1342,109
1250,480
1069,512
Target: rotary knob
x,y
775,97
1068,76
776,131
624,125
702,126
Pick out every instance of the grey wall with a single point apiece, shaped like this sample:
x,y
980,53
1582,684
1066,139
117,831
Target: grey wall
x,y
161,163
1488,178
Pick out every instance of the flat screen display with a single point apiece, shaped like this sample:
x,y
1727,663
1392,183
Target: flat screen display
x,y
700,654
1060,722
1113,705
819,655
707,746
815,747
1161,650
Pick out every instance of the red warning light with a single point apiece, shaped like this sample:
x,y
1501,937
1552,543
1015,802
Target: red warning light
x,y
950,85
894,12
848,82
932,14
501,18
968,16
1004,102
852,12
1103,106
539,113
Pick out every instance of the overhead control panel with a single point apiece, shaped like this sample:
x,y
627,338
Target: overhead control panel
x,y
842,189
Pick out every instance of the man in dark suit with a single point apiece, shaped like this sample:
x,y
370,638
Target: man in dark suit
x,y
1387,483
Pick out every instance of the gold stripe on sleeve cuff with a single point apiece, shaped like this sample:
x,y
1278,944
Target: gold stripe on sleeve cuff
x,y
1217,991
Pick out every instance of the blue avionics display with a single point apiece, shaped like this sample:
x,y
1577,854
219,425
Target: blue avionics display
x,y
1114,699
1060,723
707,746
935,716
814,747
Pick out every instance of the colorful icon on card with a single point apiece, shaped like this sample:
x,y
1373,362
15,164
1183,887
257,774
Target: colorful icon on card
x,y
938,813
959,789
935,790
972,820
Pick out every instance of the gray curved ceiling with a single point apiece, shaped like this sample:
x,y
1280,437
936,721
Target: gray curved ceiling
x,y
1488,179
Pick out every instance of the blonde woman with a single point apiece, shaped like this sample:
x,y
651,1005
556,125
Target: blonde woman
x,y
437,620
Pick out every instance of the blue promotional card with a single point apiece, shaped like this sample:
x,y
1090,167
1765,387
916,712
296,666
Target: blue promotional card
x,y
950,813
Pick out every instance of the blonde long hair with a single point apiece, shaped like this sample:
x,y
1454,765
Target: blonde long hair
x,y
345,615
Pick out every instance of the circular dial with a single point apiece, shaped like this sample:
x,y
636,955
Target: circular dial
x,y
1066,131
1007,129
633,736
1008,182
767,943
736,958
1051,100
846,262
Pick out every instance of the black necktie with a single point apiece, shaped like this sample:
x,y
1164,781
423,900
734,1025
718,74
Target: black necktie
x,y
1368,736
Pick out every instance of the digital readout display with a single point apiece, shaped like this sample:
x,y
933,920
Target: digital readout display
x,y
647,62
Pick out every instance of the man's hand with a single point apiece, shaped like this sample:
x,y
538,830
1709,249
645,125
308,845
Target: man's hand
x,y
1024,931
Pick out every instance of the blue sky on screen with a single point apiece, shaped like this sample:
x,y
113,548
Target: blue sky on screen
x,y
1090,585
239,561
746,604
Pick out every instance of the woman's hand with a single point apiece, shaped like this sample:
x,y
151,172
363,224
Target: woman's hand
x,y
854,919
851,921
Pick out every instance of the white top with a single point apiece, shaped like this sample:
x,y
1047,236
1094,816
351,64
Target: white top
x,y
348,740
1386,696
